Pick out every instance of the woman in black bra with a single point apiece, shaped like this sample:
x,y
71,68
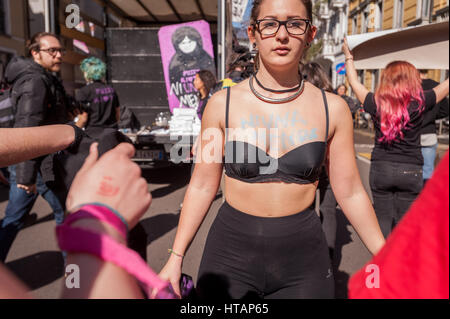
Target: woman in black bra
x,y
272,133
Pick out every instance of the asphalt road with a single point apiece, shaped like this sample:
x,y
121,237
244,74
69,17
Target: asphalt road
x,y
35,258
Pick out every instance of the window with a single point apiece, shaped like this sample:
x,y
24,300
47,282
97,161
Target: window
x,y
379,16
399,6
426,8
375,79
364,22
355,25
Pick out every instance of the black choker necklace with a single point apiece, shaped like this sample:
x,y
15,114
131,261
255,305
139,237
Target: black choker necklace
x,y
278,91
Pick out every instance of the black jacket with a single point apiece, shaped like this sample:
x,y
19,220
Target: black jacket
x,y
439,111
39,100
100,101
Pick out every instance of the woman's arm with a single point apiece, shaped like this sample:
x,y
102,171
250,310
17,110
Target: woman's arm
x,y
357,87
99,279
345,180
202,188
22,144
441,91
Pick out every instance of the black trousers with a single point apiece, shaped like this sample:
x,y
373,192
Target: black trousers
x,y
394,187
328,211
246,256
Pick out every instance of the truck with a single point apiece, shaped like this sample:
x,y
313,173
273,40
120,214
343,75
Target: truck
x,y
135,71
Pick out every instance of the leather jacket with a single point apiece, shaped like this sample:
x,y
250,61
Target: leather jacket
x,y
39,99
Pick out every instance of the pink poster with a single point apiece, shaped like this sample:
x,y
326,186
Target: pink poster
x,y
185,49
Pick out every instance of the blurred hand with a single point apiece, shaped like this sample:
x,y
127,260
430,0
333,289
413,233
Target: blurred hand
x,y
113,180
82,119
30,189
346,49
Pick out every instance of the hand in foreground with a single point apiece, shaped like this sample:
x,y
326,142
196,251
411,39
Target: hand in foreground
x,y
346,49
82,119
113,180
30,189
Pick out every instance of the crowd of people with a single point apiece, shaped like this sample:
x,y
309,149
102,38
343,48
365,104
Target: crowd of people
x,y
39,98
267,241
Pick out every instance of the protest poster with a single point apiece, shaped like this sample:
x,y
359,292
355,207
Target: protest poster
x,y
185,49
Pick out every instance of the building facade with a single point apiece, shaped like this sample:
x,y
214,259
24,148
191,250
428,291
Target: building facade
x,y
337,18
13,32
80,29
332,23
379,15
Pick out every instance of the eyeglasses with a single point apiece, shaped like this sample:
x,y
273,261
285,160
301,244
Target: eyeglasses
x,y
54,51
268,27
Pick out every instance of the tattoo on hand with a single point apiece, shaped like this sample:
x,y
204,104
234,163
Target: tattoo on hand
x,y
106,188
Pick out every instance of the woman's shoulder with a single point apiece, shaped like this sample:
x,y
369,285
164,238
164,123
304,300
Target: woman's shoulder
x,y
217,103
235,90
333,101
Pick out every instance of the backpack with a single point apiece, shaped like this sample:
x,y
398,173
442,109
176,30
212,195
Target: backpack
x,y
7,109
8,103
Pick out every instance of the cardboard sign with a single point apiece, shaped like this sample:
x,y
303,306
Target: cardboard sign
x,y
185,49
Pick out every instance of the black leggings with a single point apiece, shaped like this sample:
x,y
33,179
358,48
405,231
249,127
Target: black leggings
x,y
246,256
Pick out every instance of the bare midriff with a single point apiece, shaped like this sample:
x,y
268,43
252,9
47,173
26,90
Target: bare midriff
x,y
272,199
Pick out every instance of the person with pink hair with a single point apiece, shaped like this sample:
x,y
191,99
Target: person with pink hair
x,y
397,108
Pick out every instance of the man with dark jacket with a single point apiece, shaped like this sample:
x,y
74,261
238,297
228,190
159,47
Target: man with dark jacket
x,y
428,137
39,99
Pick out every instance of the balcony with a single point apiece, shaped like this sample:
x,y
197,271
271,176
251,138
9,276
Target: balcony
x,y
324,12
338,4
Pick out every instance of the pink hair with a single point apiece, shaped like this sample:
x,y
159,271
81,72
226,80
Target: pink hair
x,y
400,85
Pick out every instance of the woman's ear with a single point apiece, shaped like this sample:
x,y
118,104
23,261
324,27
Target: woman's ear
x,y
251,33
312,33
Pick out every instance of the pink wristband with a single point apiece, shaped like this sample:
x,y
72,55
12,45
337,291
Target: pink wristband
x,y
107,249
98,212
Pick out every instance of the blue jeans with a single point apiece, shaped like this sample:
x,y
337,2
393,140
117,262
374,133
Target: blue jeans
x,y
20,203
429,155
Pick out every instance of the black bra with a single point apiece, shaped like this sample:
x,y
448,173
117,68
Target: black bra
x,y
302,165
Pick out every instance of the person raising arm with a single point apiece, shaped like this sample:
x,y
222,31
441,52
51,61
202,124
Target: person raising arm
x,y
397,109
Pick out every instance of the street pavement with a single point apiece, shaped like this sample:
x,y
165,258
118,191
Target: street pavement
x,y
35,258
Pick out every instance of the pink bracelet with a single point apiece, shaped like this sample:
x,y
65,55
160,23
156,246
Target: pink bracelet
x,y
107,249
98,212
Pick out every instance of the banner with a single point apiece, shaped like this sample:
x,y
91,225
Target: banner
x,y
185,49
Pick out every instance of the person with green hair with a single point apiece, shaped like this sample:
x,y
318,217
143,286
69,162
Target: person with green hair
x,y
99,102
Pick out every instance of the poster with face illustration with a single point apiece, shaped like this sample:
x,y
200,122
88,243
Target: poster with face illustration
x,y
185,49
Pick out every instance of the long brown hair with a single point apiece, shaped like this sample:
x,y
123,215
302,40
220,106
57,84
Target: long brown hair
x,y
316,75
208,79
255,13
